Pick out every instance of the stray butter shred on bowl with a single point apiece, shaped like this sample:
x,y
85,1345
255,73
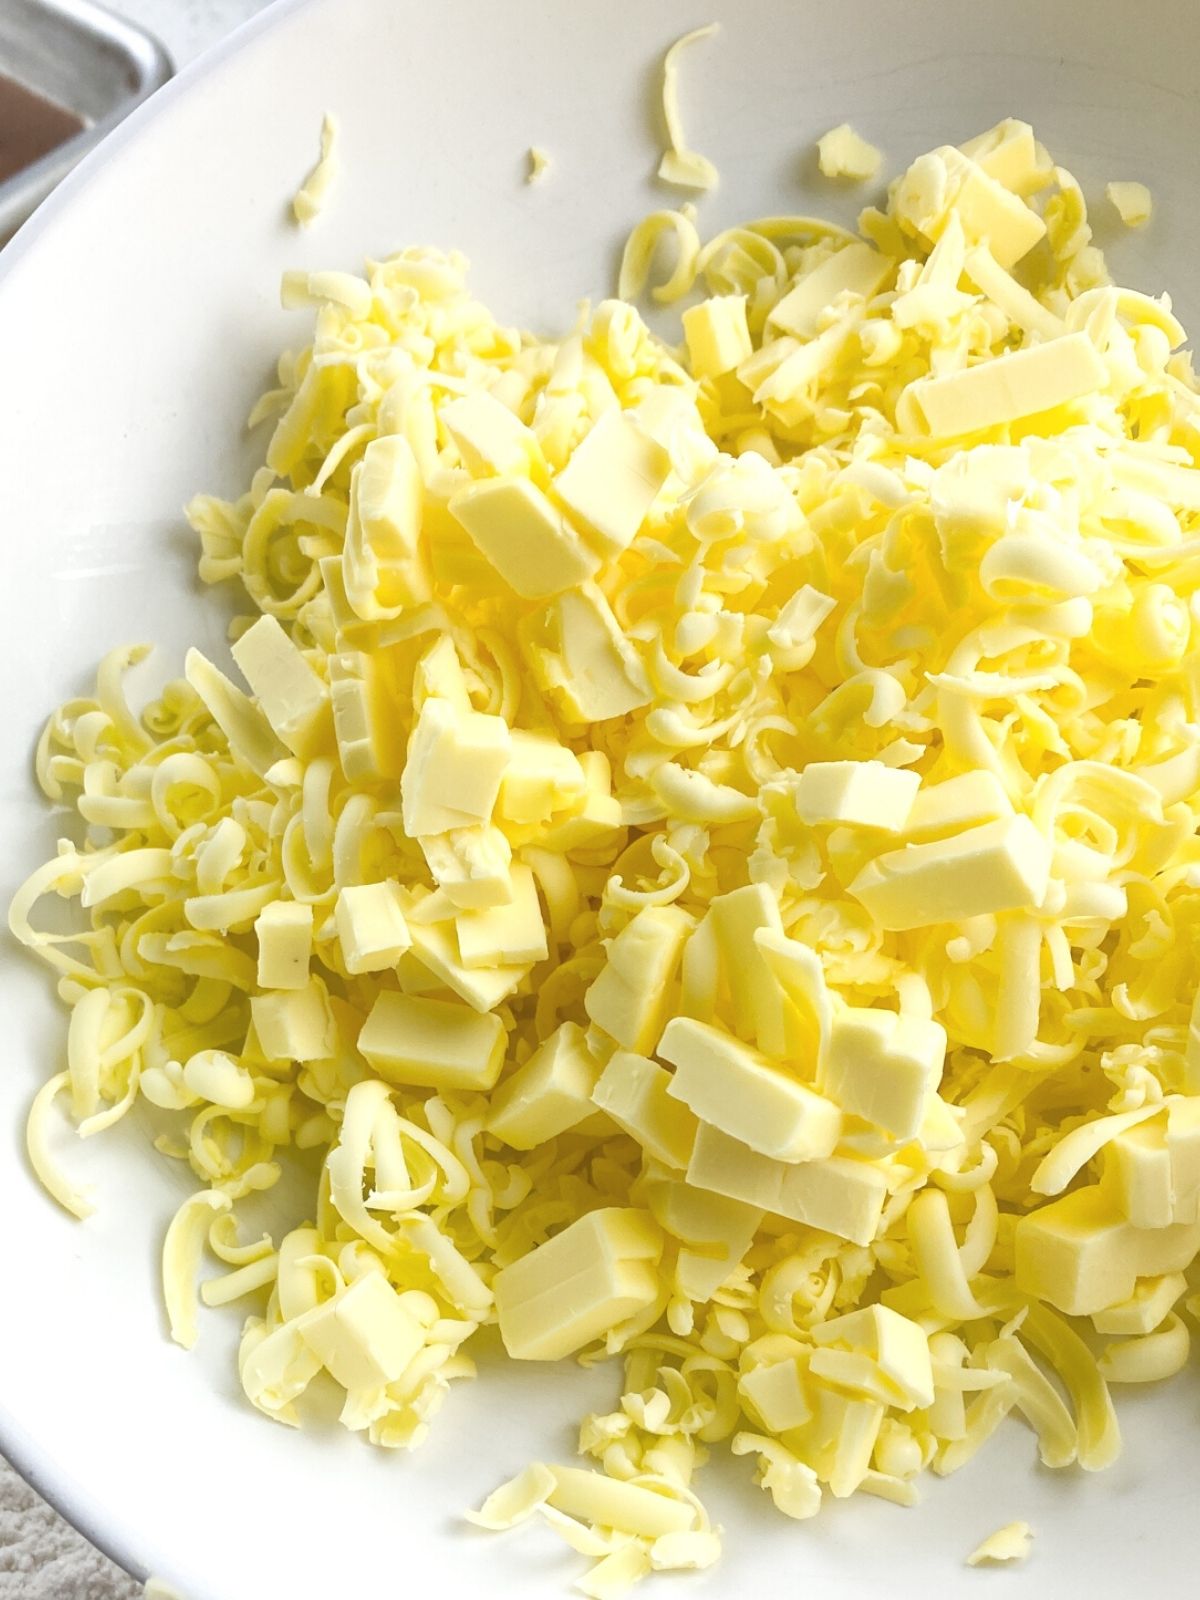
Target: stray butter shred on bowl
x,y
705,853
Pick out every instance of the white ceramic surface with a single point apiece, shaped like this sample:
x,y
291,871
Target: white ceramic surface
x,y
138,318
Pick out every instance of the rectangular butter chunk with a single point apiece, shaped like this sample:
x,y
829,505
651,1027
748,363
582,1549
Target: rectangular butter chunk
x,y
435,1044
732,1086
293,698
542,777
883,1067
714,1231
510,935
957,803
839,1195
456,761
526,539
717,334
364,1337
864,794
897,1347
999,866
435,946
596,1273
580,656
370,926
549,1094
285,936
1080,1254
490,439
629,998
470,865
777,1392
858,268
611,479
633,1090
295,1024
1008,387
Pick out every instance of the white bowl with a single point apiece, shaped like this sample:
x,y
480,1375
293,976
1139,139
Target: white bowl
x,y
138,319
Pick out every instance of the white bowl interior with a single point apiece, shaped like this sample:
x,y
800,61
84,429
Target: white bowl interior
x,y
138,319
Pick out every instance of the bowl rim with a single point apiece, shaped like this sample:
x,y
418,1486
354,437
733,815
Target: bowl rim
x,y
42,1474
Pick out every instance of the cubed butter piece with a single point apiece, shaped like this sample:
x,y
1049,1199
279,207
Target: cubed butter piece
x,y
730,1085
435,1044
542,777
370,926
456,761
633,1091
510,935
526,539
756,995
595,1274
369,743
435,946
630,997
470,865
857,269
295,1024
717,334
863,794
1080,1254
840,1194
582,659
611,479
549,1094
956,804
285,935
1136,1174
999,866
777,1393
594,818
897,1346
382,566
883,1067
292,696
490,439
439,675
365,1337
1147,1308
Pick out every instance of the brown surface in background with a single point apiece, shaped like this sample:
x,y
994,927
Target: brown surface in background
x,y
30,127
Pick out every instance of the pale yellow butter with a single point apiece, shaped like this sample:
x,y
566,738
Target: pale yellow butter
x,y
526,540
371,927
436,1043
552,1092
611,480
284,930
634,1092
998,866
728,1084
584,1281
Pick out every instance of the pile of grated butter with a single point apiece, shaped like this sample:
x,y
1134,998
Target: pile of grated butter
x,y
704,845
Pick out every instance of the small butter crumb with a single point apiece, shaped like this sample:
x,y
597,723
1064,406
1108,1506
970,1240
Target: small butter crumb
x,y
1133,203
309,200
1010,1543
156,1589
539,164
842,153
